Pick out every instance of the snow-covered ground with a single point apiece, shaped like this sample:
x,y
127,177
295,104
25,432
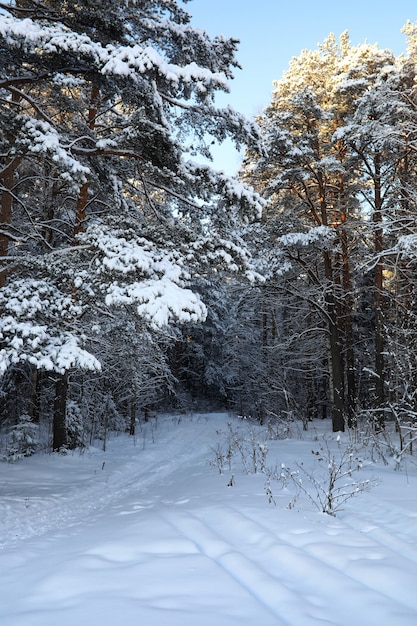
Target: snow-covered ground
x,y
149,533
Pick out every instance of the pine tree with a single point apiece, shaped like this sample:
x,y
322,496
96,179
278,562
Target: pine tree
x,y
316,177
105,108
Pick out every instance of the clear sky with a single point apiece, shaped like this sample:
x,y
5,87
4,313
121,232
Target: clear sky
x,y
273,31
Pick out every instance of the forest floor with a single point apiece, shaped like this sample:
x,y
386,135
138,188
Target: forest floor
x,y
160,530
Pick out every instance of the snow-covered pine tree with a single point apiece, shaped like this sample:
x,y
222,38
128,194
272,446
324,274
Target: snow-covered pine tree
x,y
105,110
389,122
370,80
306,177
317,178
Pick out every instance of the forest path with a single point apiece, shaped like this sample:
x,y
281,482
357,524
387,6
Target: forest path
x,y
149,532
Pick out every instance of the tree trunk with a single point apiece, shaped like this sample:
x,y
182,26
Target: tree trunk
x,y
132,428
378,300
7,198
49,210
337,391
336,368
348,333
82,202
6,216
35,395
335,352
60,438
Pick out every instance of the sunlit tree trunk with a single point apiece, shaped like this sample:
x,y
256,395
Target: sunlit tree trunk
x,y
350,356
378,298
346,304
82,202
6,215
7,175
335,344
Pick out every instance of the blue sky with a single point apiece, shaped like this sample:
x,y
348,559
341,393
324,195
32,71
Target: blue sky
x,y
273,31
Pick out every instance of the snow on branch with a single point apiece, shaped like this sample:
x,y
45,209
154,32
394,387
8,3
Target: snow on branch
x,y
320,234
127,61
215,251
232,190
159,301
39,137
406,246
145,275
27,298
28,328
24,341
119,254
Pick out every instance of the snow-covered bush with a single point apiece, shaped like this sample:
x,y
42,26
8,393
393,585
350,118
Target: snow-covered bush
x,y
22,439
394,443
247,442
332,479
75,426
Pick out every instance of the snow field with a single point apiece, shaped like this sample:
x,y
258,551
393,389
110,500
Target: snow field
x,y
149,533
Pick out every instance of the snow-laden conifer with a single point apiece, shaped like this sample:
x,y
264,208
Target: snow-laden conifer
x,y
107,117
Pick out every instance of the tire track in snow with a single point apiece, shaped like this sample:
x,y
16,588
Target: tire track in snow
x,y
299,558
383,535
39,515
270,592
